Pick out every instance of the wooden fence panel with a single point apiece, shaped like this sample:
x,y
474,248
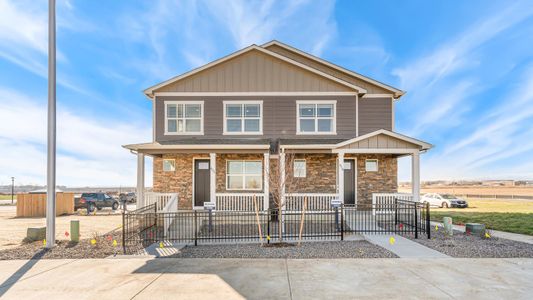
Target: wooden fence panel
x,y
34,205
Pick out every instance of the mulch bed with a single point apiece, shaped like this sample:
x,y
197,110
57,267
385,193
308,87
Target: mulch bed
x,y
472,246
334,249
66,249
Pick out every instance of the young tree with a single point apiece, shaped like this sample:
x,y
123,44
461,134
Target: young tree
x,y
282,181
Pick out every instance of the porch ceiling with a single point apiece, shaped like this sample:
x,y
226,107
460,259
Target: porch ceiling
x,y
155,148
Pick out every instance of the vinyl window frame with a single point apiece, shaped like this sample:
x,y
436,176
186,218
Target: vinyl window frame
x,y
316,117
202,117
304,172
173,165
372,160
260,174
242,118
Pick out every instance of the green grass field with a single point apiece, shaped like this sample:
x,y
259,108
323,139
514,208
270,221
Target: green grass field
x,y
504,215
7,197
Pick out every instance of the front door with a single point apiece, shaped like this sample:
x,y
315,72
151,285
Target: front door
x,y
349,181
201,182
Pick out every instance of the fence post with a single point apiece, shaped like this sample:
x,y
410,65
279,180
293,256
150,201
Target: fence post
x,y
195,228
123,232
342,223
416,220
269,217
428,221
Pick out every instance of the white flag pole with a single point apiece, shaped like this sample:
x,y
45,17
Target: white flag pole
x,y
51,158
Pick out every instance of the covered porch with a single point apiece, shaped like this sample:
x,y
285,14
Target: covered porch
x,y
359,172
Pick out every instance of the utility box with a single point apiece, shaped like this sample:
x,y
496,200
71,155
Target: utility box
x,y
448,227
475,229
75,230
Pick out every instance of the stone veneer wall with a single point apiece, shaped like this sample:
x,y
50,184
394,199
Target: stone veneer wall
x,y
321,175
385,180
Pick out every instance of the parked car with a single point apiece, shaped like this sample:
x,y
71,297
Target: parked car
x,y
444,200
128,197
93,201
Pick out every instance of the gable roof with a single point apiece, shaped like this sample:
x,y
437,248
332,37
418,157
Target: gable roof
x,y
150,91
399,141
397,93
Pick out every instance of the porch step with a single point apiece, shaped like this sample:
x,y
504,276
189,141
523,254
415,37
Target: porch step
x,y
404,248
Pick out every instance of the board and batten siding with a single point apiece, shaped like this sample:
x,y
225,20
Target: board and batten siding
x,y
381,141
279,116
255,71
374,114
371,88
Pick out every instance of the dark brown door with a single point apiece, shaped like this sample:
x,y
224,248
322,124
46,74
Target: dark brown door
x,y
349,182
201,182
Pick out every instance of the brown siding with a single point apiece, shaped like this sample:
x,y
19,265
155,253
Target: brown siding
x,y
279,117
371,88
255,71
374,114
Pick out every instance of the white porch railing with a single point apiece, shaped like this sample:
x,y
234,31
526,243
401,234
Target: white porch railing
x,y
388,198
239,201
161,199
295,202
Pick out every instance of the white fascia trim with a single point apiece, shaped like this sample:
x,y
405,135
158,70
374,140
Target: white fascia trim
x,y
378,96
157,146
149,91
226,102
308,146
254,94
424,145
398,93
376,151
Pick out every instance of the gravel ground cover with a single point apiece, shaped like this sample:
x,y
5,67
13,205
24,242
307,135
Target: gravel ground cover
x,y
64,249
334,249
470,246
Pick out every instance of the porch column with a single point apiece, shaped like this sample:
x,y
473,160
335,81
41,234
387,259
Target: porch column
x,y
266,180
140,179
340,176
213,177
415,175
282,177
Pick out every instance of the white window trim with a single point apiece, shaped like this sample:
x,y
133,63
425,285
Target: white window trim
x,y
201,132
377,164
294,168
316,132
170,159
244,175
260,132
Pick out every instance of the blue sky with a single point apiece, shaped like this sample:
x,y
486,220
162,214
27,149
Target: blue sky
x,y
467,67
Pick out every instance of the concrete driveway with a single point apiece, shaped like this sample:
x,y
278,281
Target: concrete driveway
x,y
145,278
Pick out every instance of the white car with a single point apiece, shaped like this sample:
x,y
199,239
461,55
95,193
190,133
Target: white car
x,y
443,200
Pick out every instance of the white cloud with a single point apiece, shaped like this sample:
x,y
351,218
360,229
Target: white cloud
x,y
89,148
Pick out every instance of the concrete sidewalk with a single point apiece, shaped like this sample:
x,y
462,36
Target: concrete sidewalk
x,y
404,248
144,278
500,234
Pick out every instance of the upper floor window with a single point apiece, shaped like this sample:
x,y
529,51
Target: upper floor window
x,y
243,117
184,117
316,117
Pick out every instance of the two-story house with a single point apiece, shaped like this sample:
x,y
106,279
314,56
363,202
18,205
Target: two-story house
x,y
220,128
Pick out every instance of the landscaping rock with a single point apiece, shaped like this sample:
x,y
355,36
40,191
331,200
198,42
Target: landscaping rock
x,y
36,233
475,229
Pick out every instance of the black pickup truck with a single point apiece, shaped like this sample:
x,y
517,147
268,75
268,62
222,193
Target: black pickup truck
x,y
93,201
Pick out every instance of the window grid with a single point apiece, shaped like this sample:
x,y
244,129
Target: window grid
x,y
243,117
244,175
316,106
180,115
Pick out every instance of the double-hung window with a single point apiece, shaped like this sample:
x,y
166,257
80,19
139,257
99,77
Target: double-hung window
x,y
316,117
244,175
243,117
184,117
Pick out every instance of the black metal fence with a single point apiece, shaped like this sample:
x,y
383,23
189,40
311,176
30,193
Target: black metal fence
x,y
146,226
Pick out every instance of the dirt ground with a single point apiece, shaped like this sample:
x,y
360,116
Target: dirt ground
x,y
13,230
